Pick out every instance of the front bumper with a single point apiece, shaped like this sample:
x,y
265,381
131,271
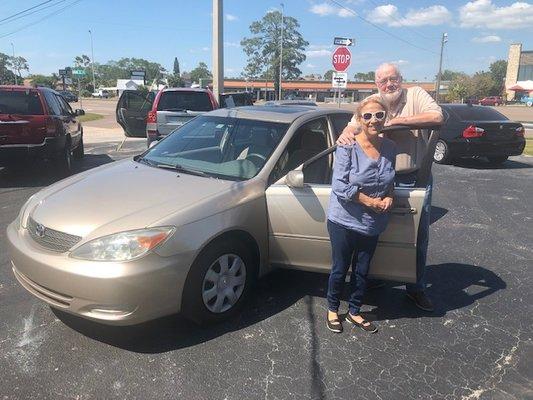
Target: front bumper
x,y
49,148
115,293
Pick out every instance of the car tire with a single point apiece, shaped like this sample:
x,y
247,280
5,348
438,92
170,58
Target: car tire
x,y
497,160
442,153
209,294
529,103
64,160
79,152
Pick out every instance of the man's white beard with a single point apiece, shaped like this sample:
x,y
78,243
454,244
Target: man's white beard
x,y
391,98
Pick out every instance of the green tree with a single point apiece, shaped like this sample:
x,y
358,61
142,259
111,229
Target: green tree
x,y
82,61
200,72
449,75
176,68
19,64
498,71
460,87
7,77
263,48
44,80
369,76
328,75
482,84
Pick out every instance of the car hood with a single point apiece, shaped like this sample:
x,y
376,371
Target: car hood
x,y
124,196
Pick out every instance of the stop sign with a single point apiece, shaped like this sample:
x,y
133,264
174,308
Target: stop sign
x,y
341,59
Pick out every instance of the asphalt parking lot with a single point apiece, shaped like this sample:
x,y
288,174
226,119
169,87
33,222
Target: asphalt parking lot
x,y
279,348
476,345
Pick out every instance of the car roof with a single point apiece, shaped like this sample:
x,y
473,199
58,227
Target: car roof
x,y
185,89
275,113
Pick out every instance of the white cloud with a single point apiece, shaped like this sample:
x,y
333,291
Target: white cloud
x,y
485,14
389,15
318,53
232,44
230,17
487,39
399,62
311,66
205,49
325,9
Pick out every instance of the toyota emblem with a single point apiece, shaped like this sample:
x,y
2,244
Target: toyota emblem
x,y
39,230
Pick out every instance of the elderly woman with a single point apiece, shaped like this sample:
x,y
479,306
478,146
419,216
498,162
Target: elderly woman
x,y
361,198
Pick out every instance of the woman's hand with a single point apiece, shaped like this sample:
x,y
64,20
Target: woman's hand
x,y
387,203
347,136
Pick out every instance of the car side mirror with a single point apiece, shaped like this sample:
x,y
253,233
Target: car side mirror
x,y
295,179
79,112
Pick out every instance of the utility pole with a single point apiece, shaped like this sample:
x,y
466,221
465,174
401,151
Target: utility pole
x,y
13,48
92,60
218,49
437,89
281,52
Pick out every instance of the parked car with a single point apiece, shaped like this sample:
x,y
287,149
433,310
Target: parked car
x,y
192,222
527,100
491,101
38,123
101,93
291,103
472,100
475,131
236,99
69,96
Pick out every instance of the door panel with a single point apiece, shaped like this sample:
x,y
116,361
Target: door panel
x,y
298,236
131,113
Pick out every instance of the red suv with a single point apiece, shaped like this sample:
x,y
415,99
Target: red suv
x,y
38,123
491,101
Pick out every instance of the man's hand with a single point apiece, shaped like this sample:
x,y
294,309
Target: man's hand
x,y
348,135
387,204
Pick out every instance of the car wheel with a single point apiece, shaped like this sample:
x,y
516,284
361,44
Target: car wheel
x,y
64,160
497,160
218,282
79,151
442,153
529,103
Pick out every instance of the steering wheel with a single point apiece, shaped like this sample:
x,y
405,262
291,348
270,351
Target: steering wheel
x,y
258,159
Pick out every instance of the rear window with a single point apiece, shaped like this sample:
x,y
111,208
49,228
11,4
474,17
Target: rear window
x,y
180,101
478,114
20,102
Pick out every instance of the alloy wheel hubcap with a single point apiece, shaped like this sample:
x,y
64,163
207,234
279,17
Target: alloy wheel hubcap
x,y
439,151
224,283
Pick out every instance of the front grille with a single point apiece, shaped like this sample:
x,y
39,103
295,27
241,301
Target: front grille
x,y
51,239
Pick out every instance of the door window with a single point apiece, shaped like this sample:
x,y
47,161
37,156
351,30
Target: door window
x,y
309,140
135,102
65,107
339,122
53,104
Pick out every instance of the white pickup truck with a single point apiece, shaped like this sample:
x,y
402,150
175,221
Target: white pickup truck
x,y
101,93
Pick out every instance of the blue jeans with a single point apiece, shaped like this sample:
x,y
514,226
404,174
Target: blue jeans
x,y
349,248
422,241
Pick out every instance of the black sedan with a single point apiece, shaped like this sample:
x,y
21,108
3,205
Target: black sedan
x,y
69,96
476,131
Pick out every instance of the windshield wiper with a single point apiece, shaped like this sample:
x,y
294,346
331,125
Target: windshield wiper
x,y
176,110
180,168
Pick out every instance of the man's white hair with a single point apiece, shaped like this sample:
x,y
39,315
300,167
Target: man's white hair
x,y
388,65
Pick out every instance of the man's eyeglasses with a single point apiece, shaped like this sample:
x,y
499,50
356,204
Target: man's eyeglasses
x,y
392,79
379,115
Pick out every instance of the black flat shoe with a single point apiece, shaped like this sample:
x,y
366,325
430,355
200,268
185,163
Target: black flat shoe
x,y
367,326
334,325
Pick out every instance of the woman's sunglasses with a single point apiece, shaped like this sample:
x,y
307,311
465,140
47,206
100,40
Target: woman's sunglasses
x,y
380,115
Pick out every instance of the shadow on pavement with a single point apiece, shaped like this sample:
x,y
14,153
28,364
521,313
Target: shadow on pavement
x,y
437,213
480,163
283,288
44,173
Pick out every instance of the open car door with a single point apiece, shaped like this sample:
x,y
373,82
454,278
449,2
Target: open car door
x,y
298,237
132,110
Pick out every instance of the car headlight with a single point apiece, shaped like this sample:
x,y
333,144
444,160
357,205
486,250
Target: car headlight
x,y
123,246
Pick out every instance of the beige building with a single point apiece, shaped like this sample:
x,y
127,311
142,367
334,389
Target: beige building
x,y
519,74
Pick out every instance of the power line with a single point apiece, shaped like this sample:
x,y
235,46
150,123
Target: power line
x,y
33,12
27,9
380,28
52,14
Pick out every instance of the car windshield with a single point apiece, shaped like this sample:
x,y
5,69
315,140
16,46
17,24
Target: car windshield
x,y
21,102
183,100
222,147
478,114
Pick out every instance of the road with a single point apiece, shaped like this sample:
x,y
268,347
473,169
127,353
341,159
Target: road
x,y
476,345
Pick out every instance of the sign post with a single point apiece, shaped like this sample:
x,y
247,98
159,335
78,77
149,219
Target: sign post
x,y
79,72
341,59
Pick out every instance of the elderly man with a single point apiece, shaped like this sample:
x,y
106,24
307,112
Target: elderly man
x,y
413,107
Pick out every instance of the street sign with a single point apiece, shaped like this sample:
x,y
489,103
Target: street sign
x,y
341,41
341,59
62,72
339,80
78,72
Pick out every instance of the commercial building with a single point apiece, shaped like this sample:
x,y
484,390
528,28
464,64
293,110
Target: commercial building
x,y
519,76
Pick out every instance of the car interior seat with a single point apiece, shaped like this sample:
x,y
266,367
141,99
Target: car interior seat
x,y
310,144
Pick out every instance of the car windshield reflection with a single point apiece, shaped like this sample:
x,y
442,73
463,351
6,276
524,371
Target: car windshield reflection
x,y
223,147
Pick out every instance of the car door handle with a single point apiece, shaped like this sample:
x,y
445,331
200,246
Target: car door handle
x,y
403,210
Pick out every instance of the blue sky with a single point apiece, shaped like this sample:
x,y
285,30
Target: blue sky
x,y
479,32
